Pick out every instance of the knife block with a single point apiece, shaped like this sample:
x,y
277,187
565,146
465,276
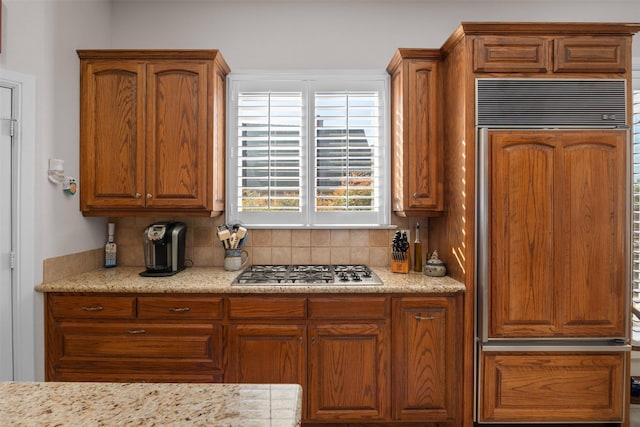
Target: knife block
x,y
401,266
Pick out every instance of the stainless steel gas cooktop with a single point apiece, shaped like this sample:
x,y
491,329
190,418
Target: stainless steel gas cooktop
x,y
308,274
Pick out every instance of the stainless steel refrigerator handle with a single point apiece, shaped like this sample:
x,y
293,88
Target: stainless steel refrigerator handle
x,y
482,230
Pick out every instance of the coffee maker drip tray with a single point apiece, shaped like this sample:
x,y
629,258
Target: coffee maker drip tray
x,y
160,273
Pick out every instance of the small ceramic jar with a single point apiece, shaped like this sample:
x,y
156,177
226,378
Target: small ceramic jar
x,y
434,266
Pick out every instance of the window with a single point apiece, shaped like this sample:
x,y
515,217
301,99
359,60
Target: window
x,y
635,214
308,150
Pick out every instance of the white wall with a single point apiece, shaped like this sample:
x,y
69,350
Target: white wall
x,y
319,34
39,38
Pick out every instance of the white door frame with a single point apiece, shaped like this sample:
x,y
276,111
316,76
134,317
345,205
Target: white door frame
x,y
26,303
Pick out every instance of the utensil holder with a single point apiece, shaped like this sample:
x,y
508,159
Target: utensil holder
x,y
401,266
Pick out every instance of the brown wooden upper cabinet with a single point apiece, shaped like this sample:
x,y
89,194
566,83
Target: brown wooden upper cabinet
x,y
416,163
549,54
152,132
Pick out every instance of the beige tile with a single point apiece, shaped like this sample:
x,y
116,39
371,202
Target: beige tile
x,y
281,255
262,255
261,238
203,236
281,238
340,238
203,257
379,256
359,238
218,256
301,255
300,238
320,238
320,255
359,255
379,238
340,255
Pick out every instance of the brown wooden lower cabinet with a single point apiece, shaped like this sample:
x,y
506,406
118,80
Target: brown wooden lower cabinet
x,y
266,354
361,359
552,387
129,351
425,368
348,372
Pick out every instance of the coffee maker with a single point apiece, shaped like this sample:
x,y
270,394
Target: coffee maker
x,y
164,248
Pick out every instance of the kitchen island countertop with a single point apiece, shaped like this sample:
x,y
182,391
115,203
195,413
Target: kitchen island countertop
x,y
102,404
218,280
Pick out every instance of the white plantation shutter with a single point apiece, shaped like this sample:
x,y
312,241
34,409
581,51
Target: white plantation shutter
x,y
269,151
347,154
308,151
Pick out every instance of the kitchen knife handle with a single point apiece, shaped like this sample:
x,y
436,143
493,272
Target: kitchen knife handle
x,y
96,308
418,317
179,309
136,331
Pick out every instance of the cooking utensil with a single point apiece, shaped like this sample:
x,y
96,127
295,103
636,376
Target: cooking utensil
x,y
224,235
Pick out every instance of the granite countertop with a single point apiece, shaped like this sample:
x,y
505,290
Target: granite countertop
x,y
218,280
147,404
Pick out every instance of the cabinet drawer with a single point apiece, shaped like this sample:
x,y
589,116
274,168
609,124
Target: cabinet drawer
x,y
267,308
168,308
92,307
552,387
495,54
590,54
348,308
143,347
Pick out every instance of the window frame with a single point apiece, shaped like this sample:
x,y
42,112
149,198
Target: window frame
x,y
635,240
311,81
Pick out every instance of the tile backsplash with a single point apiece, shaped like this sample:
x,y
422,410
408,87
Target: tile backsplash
x,y
269,246
274,246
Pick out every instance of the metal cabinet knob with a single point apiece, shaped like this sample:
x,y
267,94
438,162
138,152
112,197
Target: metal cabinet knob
x,y
149,196
138,195
418,317
179,309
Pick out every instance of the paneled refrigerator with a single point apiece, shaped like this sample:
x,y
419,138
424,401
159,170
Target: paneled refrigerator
x,y
553,293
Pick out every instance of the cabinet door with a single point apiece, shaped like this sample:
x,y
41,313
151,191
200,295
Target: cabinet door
x,y
348,372
423,156
266,354
112,135
179,146
510,54
590,54
424,359
417,150
557,242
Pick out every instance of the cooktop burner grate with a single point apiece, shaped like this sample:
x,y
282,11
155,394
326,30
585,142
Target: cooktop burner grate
x,y
306,274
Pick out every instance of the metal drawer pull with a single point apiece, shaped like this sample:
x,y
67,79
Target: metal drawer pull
x,y
179,309
96,308
418,317
136,331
